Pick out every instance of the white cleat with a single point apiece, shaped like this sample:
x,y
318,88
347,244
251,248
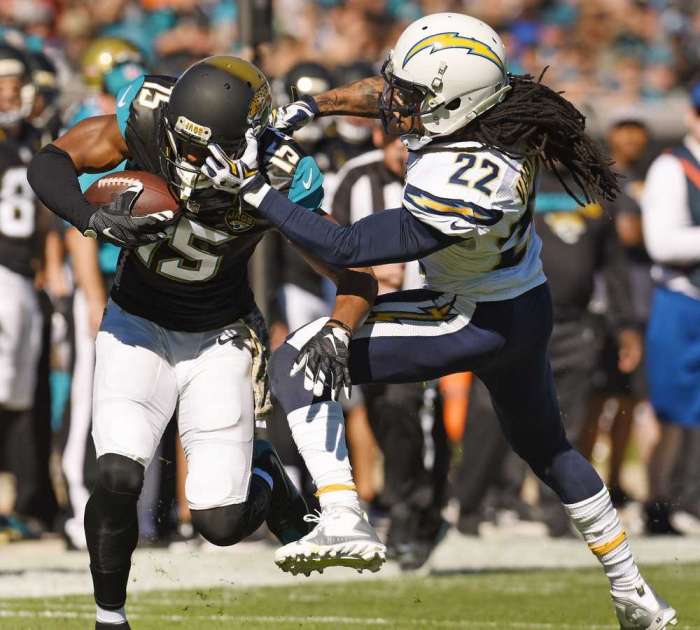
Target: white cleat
x,y
643,609
342,537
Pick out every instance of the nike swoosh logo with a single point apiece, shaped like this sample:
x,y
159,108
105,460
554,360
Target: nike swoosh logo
x,y
227,337
122,100
307,182
108,232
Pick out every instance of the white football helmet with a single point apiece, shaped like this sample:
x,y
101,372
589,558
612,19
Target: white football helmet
x,y
446,69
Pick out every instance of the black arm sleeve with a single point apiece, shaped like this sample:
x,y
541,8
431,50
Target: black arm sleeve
x,y
54,179
385,237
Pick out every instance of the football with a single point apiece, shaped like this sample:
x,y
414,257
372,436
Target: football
x,y
155,195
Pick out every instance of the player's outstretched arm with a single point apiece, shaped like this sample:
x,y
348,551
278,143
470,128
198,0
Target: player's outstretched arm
x,y
360,98
390,236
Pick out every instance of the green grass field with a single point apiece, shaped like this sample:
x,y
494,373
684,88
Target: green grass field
x,y
563,600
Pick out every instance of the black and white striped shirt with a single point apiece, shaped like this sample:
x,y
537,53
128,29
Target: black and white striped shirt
x,y
364,185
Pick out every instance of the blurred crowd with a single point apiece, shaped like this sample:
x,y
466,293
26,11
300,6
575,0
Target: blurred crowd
x,y
630,65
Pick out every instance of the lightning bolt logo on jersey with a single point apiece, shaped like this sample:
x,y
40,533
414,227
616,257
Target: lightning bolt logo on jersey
x,y
487,198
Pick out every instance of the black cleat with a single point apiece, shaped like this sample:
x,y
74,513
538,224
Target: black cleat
x,y
99,625
287,508
658,519
415,554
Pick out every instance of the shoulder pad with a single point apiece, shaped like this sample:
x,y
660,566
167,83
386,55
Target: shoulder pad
x,y
125,97
145,94
458,192
447,214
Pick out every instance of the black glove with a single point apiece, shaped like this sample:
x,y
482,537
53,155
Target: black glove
x,y
324,359
113,222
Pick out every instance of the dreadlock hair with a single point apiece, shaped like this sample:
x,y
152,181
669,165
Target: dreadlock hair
x,y
534,120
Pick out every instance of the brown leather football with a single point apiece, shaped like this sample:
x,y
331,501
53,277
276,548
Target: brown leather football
x,y
155,195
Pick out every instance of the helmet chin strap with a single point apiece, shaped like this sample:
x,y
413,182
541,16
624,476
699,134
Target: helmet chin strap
x,y
489,102
415,142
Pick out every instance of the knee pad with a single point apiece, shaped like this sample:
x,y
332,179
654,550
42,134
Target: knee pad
x,y
120,475
222,526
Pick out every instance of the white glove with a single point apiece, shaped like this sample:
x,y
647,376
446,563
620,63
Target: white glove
x,y
294,116
228,174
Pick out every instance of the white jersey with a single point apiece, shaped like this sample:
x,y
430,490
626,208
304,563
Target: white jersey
x,y
463,189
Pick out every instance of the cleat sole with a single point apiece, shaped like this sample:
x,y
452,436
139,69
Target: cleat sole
x,y
370,560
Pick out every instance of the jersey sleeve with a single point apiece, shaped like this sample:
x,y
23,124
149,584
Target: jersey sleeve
x,y
290,170
124,99
307,184
464,193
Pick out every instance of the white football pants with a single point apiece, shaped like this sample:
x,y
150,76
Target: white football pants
x,y
20,340
144,372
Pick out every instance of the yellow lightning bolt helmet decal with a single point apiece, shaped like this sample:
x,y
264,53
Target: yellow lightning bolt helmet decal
x,y
454,40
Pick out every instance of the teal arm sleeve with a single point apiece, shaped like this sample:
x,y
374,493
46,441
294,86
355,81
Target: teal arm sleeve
x,y
307,185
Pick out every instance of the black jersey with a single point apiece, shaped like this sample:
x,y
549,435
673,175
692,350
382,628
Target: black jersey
x,y
197,278
577,243
18,208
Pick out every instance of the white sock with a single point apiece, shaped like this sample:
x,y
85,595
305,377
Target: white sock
x,y
319,433
111,616
597,520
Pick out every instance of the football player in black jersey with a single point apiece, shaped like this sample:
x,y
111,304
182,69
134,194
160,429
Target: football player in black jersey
x,y
181,328
20,316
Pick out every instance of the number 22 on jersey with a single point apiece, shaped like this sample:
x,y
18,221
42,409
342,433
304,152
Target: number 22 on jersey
x,y
194,263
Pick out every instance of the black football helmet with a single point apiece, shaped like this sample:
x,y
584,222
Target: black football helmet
x,y
215,101
46,85
14,63
308,79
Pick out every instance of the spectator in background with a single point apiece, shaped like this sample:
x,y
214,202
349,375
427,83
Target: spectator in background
x,y
22,237
671,218
628,140
405,418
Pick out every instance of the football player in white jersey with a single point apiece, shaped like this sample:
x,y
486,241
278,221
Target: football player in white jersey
x,y
477,136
